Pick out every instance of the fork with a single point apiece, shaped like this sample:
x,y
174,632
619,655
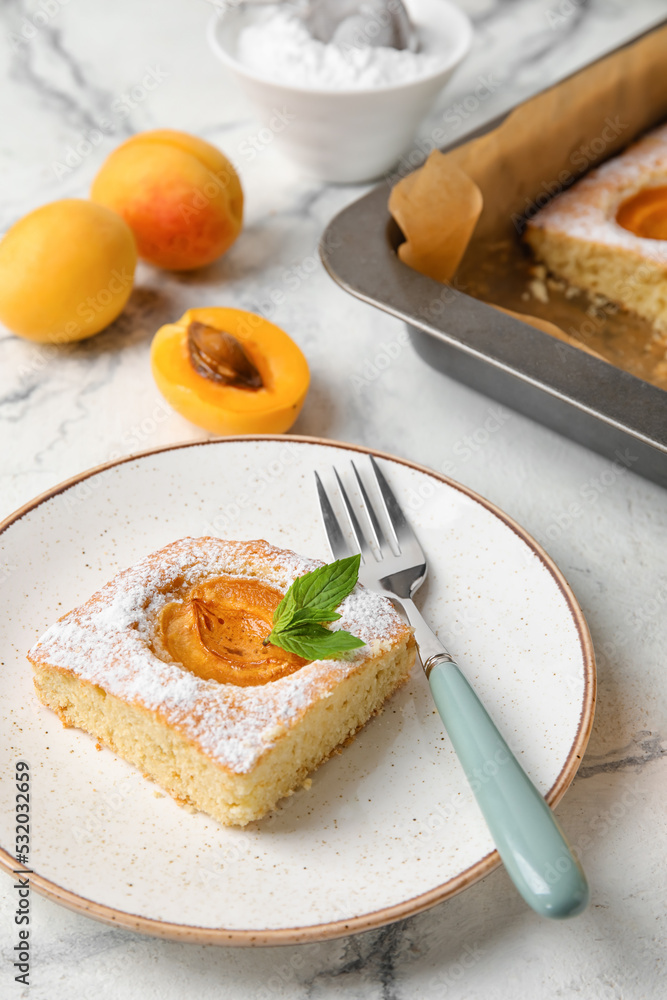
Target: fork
x,y
529,840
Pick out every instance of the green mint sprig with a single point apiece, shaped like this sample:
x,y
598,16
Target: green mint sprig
x,y
311,601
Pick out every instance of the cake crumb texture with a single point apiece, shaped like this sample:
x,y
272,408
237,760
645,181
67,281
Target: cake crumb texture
x,y
578,238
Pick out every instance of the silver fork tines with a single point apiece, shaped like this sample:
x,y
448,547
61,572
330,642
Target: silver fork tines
x,y
376,529
399,563
361,543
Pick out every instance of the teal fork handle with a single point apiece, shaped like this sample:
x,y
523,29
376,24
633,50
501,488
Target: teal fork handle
x,y
530,842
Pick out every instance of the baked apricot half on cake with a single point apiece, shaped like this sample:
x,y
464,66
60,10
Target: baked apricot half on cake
x,y
230,371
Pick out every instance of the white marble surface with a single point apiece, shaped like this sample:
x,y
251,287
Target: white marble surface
x,y
67,409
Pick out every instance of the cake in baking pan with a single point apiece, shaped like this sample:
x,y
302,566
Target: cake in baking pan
x,y
169,665
607,234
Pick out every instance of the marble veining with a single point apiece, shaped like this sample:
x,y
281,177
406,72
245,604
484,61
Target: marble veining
x,y
70,74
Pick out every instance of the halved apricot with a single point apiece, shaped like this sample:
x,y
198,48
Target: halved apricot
x,y
230,371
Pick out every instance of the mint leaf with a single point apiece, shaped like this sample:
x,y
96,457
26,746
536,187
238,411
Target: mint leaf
x,y
285,610
306,616
311,600
314,642
325,588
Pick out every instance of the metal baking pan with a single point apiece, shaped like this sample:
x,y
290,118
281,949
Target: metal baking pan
x,y
577,394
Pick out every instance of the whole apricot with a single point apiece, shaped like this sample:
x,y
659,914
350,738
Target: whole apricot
x,y
230,371
66,271
180,196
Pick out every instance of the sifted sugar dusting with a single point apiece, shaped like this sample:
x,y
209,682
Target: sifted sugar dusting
x,y
108,642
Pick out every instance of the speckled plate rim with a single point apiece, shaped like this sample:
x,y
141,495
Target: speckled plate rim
x,y
377,918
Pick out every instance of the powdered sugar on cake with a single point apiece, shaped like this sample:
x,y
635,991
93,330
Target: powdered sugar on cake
x,y
588,209
107,641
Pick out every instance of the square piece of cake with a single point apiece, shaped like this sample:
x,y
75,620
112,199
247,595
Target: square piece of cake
x,y
166,665
607,234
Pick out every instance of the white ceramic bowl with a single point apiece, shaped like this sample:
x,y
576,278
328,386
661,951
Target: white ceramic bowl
x,y
348,136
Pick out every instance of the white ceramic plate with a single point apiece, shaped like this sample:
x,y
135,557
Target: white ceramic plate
x,y
390,826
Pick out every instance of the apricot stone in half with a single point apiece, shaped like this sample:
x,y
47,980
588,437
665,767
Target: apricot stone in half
x,y
180,196
66,271
230,371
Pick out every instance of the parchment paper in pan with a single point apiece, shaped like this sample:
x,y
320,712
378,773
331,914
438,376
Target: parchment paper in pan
x,y
540,149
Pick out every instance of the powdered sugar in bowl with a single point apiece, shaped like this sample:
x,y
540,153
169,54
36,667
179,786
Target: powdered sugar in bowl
x,y
346,112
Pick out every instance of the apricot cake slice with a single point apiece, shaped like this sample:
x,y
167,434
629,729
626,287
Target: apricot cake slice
x,y
170,665
607,234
